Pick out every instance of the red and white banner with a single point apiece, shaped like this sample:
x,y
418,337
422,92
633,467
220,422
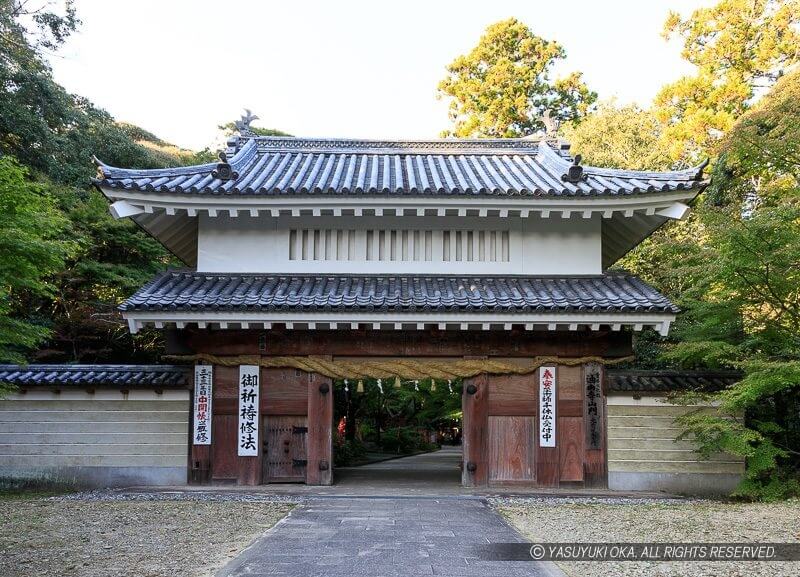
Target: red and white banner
x,y
547,406
203,383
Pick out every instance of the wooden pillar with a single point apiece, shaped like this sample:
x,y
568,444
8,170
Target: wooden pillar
x,y
319,466
595,469
475,404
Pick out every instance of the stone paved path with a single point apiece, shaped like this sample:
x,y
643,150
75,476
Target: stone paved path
x,y
384,537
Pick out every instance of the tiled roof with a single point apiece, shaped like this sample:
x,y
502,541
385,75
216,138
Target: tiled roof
x,y
191,291
95,375
669,380
296,166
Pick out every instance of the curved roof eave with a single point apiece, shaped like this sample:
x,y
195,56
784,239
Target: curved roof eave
x,y
265,166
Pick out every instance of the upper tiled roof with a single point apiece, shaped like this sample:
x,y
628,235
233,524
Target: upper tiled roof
x,y
191,291
94,375
669,380
298,166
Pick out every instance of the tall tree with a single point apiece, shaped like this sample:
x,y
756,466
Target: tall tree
x,y
740,49
33,248
54,134
626,137
744,306
503,86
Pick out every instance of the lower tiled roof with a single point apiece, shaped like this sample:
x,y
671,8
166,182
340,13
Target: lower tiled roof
x,y
191,291
178,376
95,375
669,380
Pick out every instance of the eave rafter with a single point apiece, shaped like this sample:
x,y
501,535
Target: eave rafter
x,y
138,320
133,203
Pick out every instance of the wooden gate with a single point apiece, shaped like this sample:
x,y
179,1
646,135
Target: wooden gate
x,y
501,437
285,452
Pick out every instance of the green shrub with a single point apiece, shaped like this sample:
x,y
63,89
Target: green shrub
x,y
348,453
404,441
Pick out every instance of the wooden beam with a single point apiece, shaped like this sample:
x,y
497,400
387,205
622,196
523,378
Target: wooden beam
x,y
403,343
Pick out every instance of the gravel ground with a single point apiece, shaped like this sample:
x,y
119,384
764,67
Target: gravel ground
x,y
111,534
661,520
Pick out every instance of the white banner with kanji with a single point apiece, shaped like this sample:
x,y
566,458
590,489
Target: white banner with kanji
x,y
203,383
248,410
547,406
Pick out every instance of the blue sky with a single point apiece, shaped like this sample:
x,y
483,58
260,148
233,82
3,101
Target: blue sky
x,y
350,68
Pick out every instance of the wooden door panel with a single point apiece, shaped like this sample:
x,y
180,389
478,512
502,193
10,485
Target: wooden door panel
x,y
571,442
285,448
224,464
570,383
285,392
511,449
512,395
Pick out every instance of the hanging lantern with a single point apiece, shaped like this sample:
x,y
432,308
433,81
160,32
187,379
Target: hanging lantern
x,y
397,382
346,387
360,387
433,386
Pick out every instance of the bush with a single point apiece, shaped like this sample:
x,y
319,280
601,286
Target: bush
x,y
348,453
405,440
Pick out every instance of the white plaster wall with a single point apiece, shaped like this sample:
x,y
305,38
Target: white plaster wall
x,y
644,453
536,246
105,438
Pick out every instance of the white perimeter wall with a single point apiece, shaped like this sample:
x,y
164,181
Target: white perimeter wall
x,y
644,455
107,438
408,244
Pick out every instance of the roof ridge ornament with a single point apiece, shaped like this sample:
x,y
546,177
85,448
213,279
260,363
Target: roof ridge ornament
x,y
551,124
243,125
102,173
575,173
224,170
698,175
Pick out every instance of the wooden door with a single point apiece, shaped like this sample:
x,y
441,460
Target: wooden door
x,y
570,433
224,465
511,449
285,441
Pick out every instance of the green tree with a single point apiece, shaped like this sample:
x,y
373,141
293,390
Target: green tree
x,y
31,242
229,128
631,138
503,86
54,134
626,137
744,307
740,48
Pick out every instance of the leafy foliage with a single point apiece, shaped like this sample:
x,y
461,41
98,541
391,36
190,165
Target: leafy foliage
x,y
347,452
230,128
744,302
503,86
625,137
54,134
394,418
740,48
33,249
734,265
